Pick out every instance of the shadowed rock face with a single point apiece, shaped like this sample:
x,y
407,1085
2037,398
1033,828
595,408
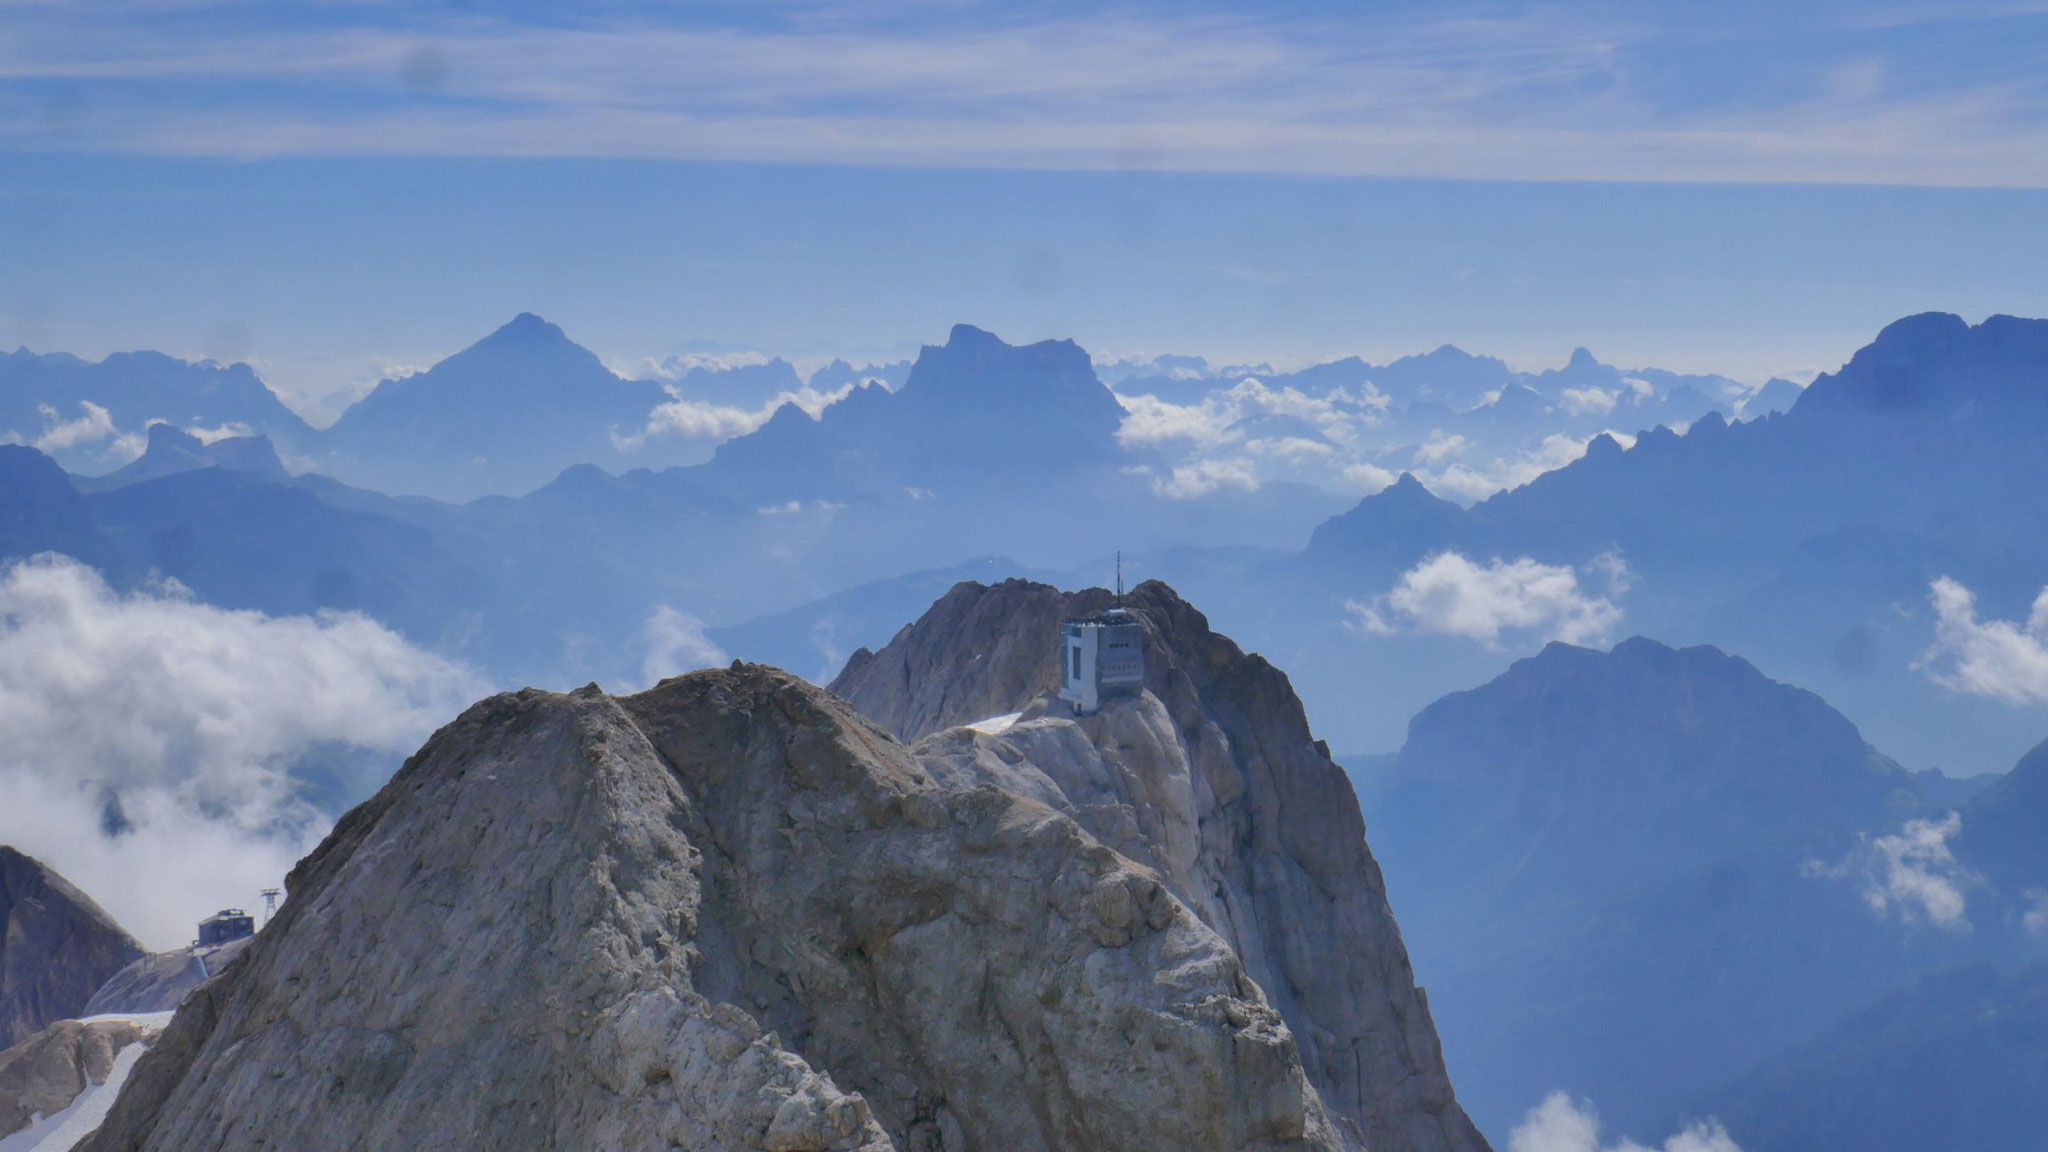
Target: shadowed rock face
x,y
1211,779
725,913
57,948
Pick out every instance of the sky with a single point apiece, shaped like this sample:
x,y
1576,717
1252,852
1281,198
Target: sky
x,y
341,191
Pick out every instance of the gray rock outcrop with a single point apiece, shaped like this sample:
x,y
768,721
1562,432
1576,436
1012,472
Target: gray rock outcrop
x,y
160,981
728,913
56,947
43,1074
1211,780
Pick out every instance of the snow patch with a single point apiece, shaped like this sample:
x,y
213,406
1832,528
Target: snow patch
x,y
147,1021
996,725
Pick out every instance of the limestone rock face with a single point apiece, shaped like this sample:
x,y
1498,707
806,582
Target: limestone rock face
x,y
160,981
43,1074
727,913
1212,781
56,947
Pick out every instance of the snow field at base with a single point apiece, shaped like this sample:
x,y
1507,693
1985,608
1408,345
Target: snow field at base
x,y
61,1131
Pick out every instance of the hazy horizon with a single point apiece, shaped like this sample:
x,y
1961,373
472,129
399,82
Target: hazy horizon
x,y
338,193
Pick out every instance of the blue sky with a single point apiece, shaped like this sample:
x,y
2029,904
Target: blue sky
x,y
335,191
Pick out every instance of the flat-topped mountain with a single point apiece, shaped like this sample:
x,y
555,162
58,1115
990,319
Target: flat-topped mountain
x,y
173,450
974,412
1634,872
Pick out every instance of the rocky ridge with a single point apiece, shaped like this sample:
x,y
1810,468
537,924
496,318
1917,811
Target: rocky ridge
x,y
160,981
44,1074
725,913
1212,780
56,947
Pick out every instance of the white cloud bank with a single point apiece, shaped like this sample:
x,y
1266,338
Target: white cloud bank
x,y
1561,1124
1449,594
1996,658
1224,438
1910,872
183,721
685,419
1439,463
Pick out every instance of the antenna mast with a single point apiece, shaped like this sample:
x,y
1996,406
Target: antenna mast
x,y
1119,577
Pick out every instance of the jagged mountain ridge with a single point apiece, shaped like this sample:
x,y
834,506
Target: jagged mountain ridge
x,y
1212,778
1806,540
571,921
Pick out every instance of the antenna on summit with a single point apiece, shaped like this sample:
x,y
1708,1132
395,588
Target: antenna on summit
x,y
1119,577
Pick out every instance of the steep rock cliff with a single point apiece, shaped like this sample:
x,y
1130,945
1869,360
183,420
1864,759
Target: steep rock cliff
x,y
1211,778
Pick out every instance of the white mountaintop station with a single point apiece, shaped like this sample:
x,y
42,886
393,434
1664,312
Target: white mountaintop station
x,y
1102,656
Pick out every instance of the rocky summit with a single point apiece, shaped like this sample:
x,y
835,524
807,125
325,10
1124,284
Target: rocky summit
x,y
1210,780
731,912
726,913
56,947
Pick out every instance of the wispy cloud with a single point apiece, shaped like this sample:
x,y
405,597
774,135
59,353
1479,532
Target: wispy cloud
x,y
1439,463
686,419
674,642
1910,872
1247,432
2001,659
1535,94
1561,1124
1449,594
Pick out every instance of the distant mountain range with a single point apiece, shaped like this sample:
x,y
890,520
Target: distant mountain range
x,y
1806,540
92,417
512,411
505,415
1585,808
